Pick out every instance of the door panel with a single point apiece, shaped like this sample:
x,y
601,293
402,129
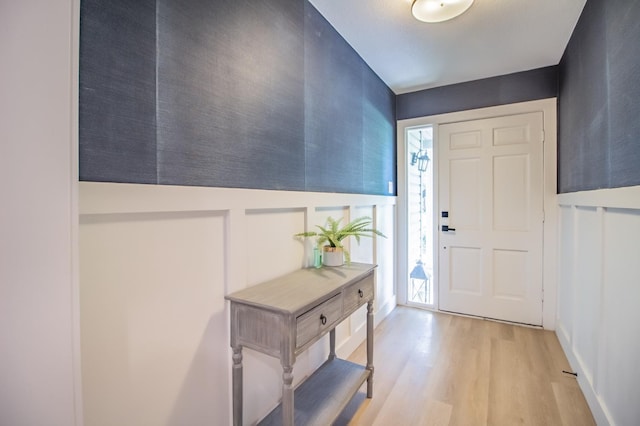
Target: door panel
x,y
510,274
466,270
465,140
511,193
512,135
491,188
465,179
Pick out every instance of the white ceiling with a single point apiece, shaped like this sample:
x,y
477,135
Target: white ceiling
x,y
493,37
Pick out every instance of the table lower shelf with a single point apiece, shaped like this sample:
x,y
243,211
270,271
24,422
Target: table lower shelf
x,y
322,397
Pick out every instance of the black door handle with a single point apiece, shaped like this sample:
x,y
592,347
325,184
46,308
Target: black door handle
x,y
445,228
361,293
323,319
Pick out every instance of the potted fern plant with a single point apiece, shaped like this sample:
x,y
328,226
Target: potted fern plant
x,y
330,238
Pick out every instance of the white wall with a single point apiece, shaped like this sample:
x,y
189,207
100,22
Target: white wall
x,y
38,325
599,297
155,264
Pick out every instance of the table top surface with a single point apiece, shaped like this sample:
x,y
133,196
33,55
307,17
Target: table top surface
x,y
295,292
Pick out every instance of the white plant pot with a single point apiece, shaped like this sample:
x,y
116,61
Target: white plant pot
x,y
332,256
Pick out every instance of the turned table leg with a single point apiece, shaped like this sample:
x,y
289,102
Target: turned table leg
x,y
287,395
332,344
370,349
237,386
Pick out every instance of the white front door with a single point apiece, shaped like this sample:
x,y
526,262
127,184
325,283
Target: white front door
x,y
491,198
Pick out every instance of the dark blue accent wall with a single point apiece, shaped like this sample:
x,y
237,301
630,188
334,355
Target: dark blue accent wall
x,y
230,102
118,91
541,83
229,93
333,89
599,102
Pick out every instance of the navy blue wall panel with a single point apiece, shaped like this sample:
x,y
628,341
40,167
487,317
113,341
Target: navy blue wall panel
x,y
584,107
349,116
599,102
333,109
117,91
230,93
623,57
249,94
541,83
378,105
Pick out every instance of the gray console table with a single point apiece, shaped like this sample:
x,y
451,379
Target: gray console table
x,y
283,317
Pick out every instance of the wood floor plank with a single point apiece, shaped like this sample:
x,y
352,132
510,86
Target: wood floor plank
x,y
571,399
439,369
397,335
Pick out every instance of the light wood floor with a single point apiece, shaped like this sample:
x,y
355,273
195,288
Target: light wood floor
x,y
439,369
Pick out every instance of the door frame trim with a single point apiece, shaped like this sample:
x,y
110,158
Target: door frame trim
x,y
548,107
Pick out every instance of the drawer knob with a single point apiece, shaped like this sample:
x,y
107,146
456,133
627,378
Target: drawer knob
x,y
361,293
323,319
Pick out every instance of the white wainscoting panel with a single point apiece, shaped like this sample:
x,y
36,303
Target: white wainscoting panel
x,y
599,297
274,230
619,379
155,265
152,306
586,293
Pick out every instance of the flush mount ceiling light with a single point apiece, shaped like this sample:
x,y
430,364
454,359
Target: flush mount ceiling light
x,y
439,10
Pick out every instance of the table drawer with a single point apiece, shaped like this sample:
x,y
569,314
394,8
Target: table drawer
x,y
357,294
317,320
